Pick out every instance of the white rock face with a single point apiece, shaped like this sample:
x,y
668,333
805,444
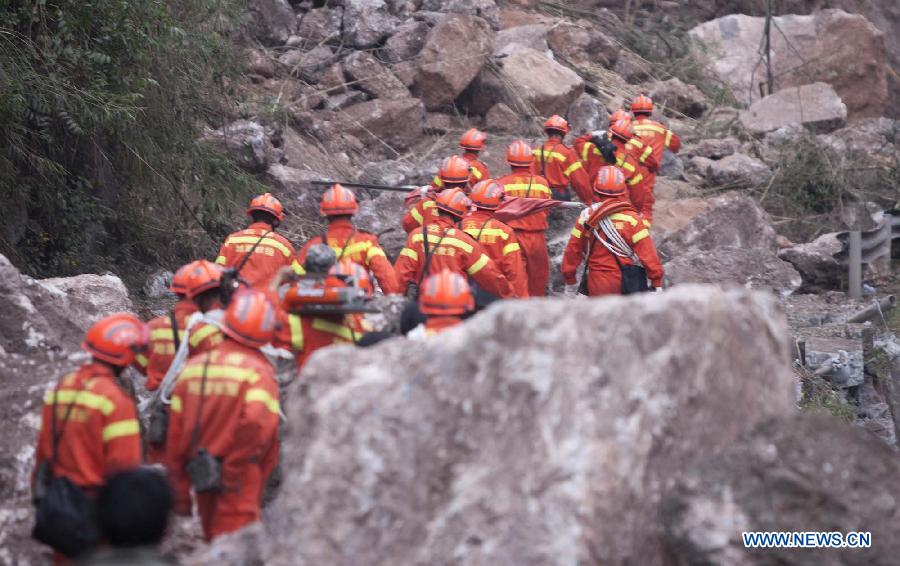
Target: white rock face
x,y
542,432
816,106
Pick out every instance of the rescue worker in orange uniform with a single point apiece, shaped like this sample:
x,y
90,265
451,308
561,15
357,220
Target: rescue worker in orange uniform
x,y
166,331
592,156
94,420
204,280
656,136
449,248
628,159
472,143
225,404
303,334
632,239
531,230
445,299
356,275
559,164
339,205
498,239
258,251
453,174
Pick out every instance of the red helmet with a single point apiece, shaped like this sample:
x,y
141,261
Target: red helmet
x,y
446,293
180,280
519,154
622,129
454,201
116,339
356,273
202,276
267,203
454,170
619,114
473,140
557,123
610,182
250,319
338,201
487,194
642,105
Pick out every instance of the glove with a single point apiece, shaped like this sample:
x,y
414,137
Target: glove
x,y
607,149
657,289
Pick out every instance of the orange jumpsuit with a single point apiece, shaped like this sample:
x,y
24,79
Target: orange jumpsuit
x,y
559,164
308,333
479,171
102,435
162,347
424,208
273,252
531,230
639,190
361,247
449,249
239,425
658,138
501,245
437,324
604,275
593,160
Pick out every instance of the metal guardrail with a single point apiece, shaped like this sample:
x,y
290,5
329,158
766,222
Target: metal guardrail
x,y
860,248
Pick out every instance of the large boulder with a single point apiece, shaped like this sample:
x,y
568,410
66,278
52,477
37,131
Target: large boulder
x,y
680,97
533,36
817,263
373,77
587,114
815,106
753,268
397,123
53,313
581,43
406,42
367,22
832,46
735,171
540,81
308,65
524,436
454,52
805,473
484,9
320,25
248,143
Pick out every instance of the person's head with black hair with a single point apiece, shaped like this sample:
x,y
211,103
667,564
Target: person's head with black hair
x,y
133,508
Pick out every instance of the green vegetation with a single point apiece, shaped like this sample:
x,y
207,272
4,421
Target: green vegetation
x,y
101,102
817,394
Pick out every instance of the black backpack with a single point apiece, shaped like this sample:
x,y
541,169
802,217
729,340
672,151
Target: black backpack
x,y
65,516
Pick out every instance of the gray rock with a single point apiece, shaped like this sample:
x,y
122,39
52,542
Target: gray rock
x,y
632,68
840,360
734,171
484,9
533,36
320,25
481,445
248,143
672,166
157,284
815,106
367,22
713,148
807,472
454,52
817,263
308,65
259,63
289,179
754,268
680,97
540,81
406,42
502,119
379,215
586,114
580,43
344,99
273,21
373,77
398,123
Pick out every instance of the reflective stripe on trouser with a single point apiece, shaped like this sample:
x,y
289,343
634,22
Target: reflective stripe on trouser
x,y
232,508
641,196
537,260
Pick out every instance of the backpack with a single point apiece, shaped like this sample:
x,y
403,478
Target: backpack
x,y
65,515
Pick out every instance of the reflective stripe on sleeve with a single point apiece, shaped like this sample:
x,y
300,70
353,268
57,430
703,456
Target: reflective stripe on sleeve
x,y
141,360
83,398
636,179
668,137
415,214
333,328
202,334
374,251
510,248
176,405
647,153
411,254
475,173
221,260
640,236
625,217
572,168
296,326
297,268
576,232
262,396
129,427
478,265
